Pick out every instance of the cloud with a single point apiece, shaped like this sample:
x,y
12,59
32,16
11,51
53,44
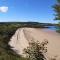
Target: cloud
x,y
3,9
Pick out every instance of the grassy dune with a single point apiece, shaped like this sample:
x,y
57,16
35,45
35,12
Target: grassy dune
x,y
6,32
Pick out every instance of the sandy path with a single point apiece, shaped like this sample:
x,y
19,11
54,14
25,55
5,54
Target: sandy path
x,y
23,35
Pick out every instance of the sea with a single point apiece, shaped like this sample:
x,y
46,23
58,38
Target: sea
x,y
52,28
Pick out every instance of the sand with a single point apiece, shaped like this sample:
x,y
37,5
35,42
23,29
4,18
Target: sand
x,y
23,36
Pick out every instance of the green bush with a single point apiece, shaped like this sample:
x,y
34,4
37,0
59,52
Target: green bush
x,y
36,50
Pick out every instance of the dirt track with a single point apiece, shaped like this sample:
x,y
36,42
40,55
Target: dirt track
x,y
20,40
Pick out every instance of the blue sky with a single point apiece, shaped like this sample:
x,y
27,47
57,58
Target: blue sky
x,y
28,10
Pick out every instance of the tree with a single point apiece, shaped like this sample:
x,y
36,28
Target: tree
x,y
36,50
57,15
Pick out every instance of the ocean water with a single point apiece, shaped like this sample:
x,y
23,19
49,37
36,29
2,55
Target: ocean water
x,y
51,28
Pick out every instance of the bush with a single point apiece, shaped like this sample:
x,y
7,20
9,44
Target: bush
x,y
36,50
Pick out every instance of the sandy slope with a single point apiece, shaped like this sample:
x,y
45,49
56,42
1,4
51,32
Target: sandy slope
x,y
20,40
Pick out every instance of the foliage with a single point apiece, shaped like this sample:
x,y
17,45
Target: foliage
x,y
36,50
57,15
6,32
57,10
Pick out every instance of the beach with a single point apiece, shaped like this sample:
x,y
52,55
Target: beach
x,y
23,36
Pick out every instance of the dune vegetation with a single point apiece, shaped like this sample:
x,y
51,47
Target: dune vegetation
x,y
6,32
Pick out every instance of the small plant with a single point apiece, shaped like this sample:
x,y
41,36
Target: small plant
x,y
36,50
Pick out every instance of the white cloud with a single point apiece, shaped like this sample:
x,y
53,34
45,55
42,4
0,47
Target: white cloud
x,y
3,9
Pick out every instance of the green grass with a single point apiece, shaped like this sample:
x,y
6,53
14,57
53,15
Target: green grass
x,y
6,31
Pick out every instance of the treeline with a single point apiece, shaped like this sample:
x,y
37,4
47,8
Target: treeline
x,y
28,24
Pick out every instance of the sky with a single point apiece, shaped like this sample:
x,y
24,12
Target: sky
x,y
27,11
